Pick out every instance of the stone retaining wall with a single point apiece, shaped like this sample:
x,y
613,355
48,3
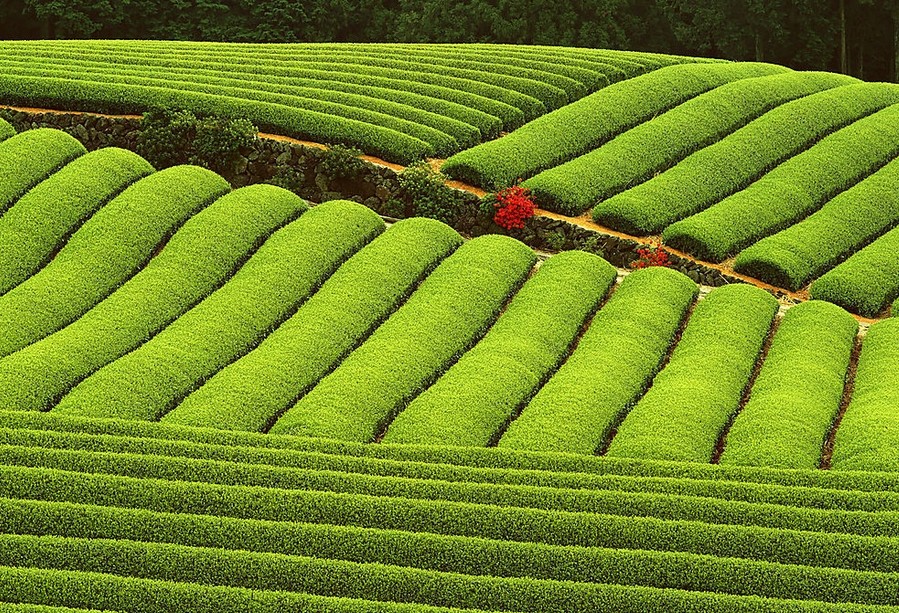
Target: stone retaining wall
x,y
377,187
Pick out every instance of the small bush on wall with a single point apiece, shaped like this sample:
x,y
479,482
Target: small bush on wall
x,y
171,137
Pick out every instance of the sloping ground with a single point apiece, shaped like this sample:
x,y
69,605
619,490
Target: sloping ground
x,y
131,516
790,172
401,102
170,297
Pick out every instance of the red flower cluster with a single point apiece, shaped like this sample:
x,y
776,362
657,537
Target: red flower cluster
x,y
651,255
513,207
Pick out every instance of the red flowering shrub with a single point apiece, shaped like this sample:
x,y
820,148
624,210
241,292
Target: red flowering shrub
x,y
513,207
651,255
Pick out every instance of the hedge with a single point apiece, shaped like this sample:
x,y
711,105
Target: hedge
x,y
281,275
309,575
28,158
894,310
148,596
612,365
112,246
474,463
658,144
284,468
6,607
6,130
867,436
664,505
798,392
467,555
690,402
792,191
472,402
487,114
847,223
446,315
291,470
37,226
719,170
849,540
376,140
252,392
443,134
589,122
868,281
474,556
526,105
199,258
373,97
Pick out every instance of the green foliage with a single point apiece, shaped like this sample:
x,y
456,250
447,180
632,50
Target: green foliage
x,y
298,122
339,162
112,246
469,405
322,464
171,137
651,147
775,533
792,191
447,314
6,130
798,391
847,223
866,438
37,226
868,281
250,393
683,414
814,488
28,158
402,103
715,172
281,275
555,240
612,365
586,124
430,196
198,258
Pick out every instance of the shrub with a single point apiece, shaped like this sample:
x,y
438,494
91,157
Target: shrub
x,y
446,315
110,248
651,147
867,436
198,259
683,414
847,223
28,158
798,391
792,191
612,365
512,207
867,281
170,137
728,166
470,404
427,190
587,123
281,275
340,162
41,221
250,393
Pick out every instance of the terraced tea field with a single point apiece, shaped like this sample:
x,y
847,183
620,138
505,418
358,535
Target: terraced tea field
x,y
220,399
791,173
400,102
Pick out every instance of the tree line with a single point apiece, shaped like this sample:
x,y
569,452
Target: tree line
x,y
858,37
